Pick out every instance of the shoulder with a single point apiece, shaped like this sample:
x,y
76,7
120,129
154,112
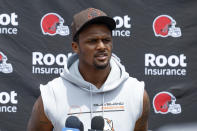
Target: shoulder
x,y
50,87
135,82
134,85
56,81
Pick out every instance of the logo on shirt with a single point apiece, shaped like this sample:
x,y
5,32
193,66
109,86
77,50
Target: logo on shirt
x,y
75,110
97,108
111,106
108,126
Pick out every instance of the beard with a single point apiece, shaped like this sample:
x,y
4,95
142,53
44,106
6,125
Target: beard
x,y
101,66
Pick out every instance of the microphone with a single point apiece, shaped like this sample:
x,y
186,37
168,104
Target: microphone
x,y
97,124
73,124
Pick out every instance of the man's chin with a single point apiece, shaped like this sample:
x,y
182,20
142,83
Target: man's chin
x,y
101,66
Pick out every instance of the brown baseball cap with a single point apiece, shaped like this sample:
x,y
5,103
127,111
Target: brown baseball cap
x,y
90,16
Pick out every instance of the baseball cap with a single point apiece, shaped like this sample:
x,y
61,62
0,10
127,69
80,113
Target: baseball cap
x,y
90,16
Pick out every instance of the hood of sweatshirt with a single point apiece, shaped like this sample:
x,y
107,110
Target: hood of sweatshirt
x,y
116,76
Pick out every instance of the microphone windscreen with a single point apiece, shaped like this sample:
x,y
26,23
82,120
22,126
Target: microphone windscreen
x,y
81,126
97,123
73,122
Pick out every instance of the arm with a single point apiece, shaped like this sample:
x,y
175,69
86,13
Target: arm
x,y
38,120
142,122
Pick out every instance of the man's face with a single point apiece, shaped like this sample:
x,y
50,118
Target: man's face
x,y
95,46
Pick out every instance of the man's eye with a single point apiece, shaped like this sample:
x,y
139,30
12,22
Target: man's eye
x,y
93,40
106,40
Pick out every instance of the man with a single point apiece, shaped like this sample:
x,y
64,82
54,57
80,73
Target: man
x,y
94,83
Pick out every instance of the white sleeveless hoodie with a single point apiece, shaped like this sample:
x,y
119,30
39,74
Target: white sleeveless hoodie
x,y
119,101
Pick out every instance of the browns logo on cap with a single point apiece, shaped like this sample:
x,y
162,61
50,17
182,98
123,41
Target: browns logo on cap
x,y
92,13
90,16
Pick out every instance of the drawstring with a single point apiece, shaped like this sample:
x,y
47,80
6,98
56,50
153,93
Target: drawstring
x,y
91,110
91,104
103,104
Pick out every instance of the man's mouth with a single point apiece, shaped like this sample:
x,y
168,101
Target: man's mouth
x,y
101,56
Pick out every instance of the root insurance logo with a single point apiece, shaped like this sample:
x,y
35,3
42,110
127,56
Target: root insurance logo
x,y
8,101
123,26
48,63
173,65
8,23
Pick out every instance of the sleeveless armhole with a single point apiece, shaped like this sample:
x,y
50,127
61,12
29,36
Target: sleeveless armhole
x,y
141,96
137,91
49,103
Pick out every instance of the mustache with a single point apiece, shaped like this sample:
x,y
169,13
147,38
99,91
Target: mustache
x,y
99,53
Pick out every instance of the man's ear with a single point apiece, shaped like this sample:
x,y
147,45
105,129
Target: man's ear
x,y
75,47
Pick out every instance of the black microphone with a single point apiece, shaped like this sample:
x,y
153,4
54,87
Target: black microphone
x,y
73,124
97,124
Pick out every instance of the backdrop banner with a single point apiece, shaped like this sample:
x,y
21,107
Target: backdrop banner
x,y
155,39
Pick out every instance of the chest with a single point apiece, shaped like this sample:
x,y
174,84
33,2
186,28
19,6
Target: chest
x,y
117,107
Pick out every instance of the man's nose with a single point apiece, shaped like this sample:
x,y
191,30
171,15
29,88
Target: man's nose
x,y
100,45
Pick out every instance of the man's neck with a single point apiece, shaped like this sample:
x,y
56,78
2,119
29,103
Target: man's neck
x,y
95,76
